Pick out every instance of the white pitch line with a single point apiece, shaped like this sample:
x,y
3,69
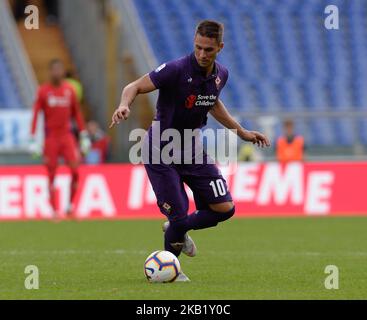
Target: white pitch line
x,y
71,252
210,252
290,253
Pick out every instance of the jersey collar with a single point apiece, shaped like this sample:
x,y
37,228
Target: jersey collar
x,y
200,70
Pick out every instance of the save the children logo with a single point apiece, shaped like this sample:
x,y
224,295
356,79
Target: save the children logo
x,y
200,100
190,101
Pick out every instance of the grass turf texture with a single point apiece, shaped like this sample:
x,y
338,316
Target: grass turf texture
x,y
281,258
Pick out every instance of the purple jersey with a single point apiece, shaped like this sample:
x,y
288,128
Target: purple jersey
x,y
186,94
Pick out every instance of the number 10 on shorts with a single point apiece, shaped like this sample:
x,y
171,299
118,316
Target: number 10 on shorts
x,y
218,188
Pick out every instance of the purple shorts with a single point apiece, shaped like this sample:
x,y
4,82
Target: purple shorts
x,y
205,181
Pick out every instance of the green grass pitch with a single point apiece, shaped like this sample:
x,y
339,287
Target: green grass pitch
x,y
265,258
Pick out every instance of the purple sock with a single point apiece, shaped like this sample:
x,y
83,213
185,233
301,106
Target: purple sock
x,y
202,219
173,239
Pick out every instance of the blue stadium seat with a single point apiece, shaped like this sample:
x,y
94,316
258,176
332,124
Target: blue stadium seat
x,y
9,98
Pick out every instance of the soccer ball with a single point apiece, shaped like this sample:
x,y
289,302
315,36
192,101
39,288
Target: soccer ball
x,y
162,266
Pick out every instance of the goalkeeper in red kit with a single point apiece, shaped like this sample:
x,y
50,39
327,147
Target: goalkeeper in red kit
x,y
58,102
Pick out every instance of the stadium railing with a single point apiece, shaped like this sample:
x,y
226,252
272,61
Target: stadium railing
x,y
313,125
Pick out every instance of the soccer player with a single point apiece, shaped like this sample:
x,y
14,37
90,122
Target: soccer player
x,y
189,88
57,100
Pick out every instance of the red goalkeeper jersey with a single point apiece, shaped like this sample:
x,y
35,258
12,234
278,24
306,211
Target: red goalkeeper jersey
x,y
59,106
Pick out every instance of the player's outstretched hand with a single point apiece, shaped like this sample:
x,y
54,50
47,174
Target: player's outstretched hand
x,y
121,113
257,138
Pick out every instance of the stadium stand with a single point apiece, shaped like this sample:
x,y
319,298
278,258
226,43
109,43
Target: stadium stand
x,y
17,81
275,68
8,89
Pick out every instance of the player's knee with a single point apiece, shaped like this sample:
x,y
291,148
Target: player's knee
x,y
51,175
222,207
51,170
74,173
73,165
223,216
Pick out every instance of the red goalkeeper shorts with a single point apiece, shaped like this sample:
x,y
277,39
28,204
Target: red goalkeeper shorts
x,y
64,146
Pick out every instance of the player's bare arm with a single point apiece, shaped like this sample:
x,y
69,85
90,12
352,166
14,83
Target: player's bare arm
x,y
221,114
129,93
